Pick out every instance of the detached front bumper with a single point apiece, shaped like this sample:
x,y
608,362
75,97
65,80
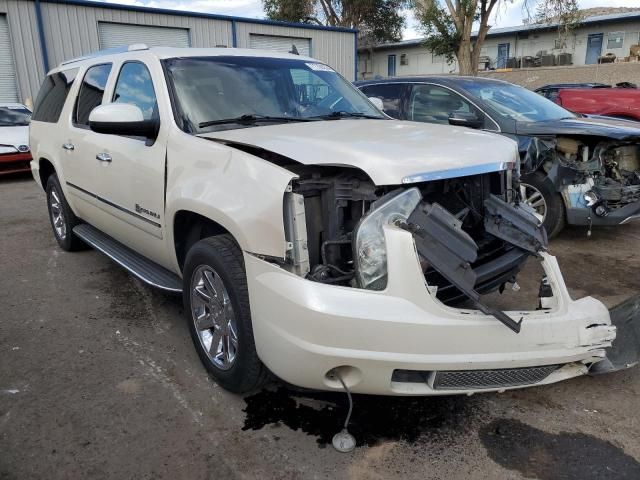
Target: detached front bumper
x,y
617,216
304,329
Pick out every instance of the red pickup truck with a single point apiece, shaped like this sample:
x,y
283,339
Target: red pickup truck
x,y
612,102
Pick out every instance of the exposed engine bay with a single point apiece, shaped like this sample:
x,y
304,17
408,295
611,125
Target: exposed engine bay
x,y
470,236
591,172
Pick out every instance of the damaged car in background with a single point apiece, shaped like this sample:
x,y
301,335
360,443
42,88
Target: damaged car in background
x,y
576,170
309,234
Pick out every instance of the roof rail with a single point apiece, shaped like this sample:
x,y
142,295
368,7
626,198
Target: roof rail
x,y
109,51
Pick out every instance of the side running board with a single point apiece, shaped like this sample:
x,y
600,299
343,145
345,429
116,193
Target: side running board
x,y
141,267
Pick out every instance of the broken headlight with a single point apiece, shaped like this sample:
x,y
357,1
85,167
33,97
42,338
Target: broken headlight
x,y
370,249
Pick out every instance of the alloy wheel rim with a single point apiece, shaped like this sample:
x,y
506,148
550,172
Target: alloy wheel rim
x,y
213,317
57,214
533,197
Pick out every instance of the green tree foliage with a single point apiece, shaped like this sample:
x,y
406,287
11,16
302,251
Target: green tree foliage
x,y
377,20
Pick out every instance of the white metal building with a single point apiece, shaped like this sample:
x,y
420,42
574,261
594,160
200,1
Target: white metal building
x,y
36,35
598,35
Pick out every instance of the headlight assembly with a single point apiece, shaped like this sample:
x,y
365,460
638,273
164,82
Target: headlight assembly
x,y
370,249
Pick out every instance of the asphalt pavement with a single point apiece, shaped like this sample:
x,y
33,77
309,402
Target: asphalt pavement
x,y
99,379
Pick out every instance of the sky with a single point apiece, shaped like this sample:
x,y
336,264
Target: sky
x,y
508,15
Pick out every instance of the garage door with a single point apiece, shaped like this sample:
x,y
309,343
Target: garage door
x,y
280,44
119,34
8,85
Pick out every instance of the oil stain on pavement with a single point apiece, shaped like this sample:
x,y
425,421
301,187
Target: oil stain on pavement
x,y
374,418
546,456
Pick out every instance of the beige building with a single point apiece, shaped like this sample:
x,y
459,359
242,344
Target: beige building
x,y
513,47
36,35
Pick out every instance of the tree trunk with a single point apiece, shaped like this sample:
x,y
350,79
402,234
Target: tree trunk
x,y
465,59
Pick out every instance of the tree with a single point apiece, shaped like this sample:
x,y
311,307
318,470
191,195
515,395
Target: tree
x,y
376,20
448,25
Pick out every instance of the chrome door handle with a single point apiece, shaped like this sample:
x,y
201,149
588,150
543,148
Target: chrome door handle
x,y
68,146
103,157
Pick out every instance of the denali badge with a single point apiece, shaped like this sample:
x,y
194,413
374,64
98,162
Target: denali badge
x,y
140,209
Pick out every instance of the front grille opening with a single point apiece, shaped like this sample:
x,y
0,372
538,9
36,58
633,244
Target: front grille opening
x,y
475,379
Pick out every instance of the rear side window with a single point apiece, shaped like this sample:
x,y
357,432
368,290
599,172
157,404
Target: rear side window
x,y
91,93
390,94
135,87
53,93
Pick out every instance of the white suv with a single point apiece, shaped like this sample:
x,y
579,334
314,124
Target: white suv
x,y
309,234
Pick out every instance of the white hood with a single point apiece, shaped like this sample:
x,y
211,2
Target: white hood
x,y
387,150
14,136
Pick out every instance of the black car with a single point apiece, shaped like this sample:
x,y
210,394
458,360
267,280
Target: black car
x,y
574,169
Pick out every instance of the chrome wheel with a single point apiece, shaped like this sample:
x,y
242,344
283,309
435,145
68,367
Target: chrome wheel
x,y
57,214
213,317
531,196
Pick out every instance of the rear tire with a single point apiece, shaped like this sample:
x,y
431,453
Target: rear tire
x,y
537,185
61,216
216,305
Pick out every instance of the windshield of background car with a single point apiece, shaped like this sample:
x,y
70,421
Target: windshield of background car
x,y
14,116
218,88
517,103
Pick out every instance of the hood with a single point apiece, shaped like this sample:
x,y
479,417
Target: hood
x,y
14,136
593,125
391,152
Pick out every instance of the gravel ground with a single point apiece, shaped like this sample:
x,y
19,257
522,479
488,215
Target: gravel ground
x,y
98,379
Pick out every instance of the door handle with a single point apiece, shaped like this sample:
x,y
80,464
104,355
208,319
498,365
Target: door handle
x,y
68,146
103,157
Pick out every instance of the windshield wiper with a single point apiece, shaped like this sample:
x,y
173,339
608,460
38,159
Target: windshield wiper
x,y
250,119
342,114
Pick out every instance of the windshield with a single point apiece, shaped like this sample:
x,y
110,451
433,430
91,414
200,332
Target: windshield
x,y
517,103
14,116
210,92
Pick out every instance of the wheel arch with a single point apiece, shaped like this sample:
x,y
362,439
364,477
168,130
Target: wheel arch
x,y
45,170
189,226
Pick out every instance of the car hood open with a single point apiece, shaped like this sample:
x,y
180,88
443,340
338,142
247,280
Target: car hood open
x,y
391,152
614,128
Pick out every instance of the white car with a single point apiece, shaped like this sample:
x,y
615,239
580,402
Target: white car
x,y
14,138
309,234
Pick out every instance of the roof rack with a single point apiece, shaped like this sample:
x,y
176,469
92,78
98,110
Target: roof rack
x,y
109,51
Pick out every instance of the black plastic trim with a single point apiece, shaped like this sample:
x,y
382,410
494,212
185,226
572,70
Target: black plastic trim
x,y
114,205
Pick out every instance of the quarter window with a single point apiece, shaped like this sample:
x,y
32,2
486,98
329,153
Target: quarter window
x,y
433,104
135,87
53,93
91,93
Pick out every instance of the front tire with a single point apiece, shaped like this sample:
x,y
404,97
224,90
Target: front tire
x,y
216,301
537,191
61,216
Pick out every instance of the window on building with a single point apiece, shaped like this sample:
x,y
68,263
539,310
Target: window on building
x,y
404,59
615,40
135,87
560,43
53,93
91,93
389,93
434,104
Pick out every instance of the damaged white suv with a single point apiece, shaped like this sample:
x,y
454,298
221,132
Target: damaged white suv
x,y
310,235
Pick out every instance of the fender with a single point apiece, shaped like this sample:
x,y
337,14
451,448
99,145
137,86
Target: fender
x,y
239,191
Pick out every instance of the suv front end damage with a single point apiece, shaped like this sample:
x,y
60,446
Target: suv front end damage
x,y
598,178
375,278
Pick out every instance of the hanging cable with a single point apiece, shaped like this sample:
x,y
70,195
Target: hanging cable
x,y
343,441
